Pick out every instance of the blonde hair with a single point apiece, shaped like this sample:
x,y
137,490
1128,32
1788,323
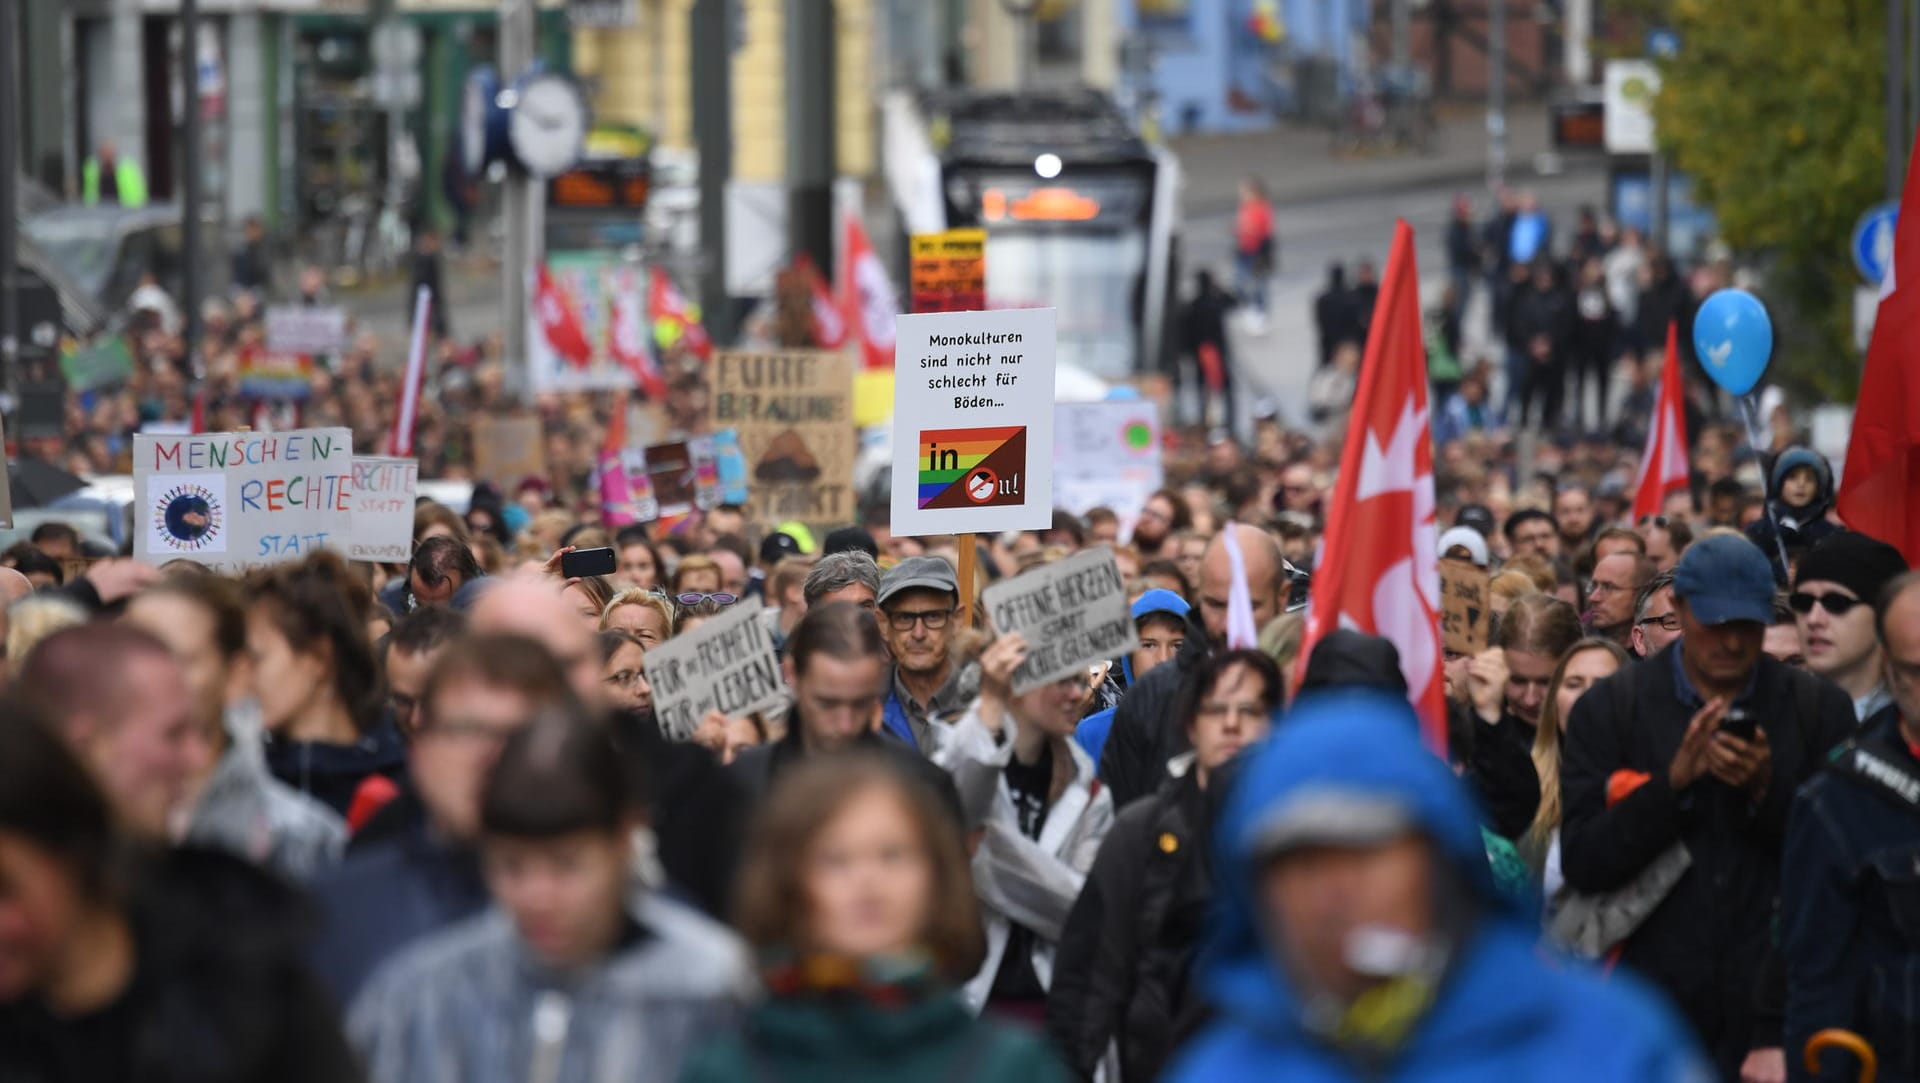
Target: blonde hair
x,y
639,596
34,618
1546,742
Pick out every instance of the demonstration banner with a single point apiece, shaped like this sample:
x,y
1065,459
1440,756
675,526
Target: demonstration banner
x,y
1073,613
727,664
238,500
587,286
508,450
791,410
1106,454
308,329
973,422
383,492
280,377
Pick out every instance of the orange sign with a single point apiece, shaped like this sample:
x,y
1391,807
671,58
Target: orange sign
x,y
949,271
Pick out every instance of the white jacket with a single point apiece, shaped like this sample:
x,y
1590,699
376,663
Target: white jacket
x,y
1017,878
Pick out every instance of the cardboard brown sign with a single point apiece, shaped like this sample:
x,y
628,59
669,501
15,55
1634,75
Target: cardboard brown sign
x,y
793,411
507,449
1466,620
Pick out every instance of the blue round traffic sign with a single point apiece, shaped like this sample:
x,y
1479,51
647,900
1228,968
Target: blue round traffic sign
x,y
1872,245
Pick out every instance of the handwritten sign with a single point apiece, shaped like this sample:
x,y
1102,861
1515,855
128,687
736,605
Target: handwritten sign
x,y
304,329
237,500
1106,454
383,494
508,449
1466,619
948,272
1073,613
727,664
792,412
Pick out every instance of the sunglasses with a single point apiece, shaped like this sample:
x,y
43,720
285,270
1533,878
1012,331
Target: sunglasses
x,y
1833,602
694,597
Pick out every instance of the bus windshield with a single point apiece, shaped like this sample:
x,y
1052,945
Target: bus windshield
x,y
1091,277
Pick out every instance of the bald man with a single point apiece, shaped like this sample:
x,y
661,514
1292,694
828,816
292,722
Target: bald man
x,y
1145,732
532,607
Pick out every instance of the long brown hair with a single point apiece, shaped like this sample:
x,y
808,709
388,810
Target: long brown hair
x,y
771,905
1546,740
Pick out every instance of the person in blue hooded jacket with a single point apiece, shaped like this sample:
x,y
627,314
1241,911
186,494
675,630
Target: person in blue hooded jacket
x,y
1160,617
1358,933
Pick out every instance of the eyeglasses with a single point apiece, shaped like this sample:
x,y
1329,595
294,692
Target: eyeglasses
x,y
1670,622
626,678
902,620
694,597
1833,602
1659,522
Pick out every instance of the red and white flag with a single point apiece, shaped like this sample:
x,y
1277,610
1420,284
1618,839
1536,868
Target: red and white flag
x,y
674,318
400,440
829,323
867,297
627,342
1880,487
1379,569
1663,461
559,322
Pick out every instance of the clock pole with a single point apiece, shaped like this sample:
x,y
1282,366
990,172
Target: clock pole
x,y
521,249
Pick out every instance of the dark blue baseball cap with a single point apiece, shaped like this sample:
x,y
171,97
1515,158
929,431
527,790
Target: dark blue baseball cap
x,y
1725,578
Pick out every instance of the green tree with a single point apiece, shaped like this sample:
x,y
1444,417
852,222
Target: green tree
x,y
1777,110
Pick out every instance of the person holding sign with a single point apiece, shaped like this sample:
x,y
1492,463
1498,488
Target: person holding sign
x,y
1030,786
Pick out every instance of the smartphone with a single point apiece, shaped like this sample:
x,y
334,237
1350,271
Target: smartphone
x,y
1738,723
584,562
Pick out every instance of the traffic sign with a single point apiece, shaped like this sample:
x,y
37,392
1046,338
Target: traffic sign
x,y
1872,245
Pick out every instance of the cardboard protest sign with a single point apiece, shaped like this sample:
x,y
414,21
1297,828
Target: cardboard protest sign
x,y
948,272
383,494
303,329
973,422
507,449
1106,454
669,467
1073,613
792,411
1466,619
237,500
727,664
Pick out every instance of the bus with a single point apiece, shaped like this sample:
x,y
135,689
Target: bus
x,y
1080,212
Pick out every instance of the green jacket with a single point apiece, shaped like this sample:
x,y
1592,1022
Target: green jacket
x,y
127,178
844,1038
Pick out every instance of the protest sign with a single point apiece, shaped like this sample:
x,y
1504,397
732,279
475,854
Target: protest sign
x,y
1465,617
105,362
949,271
237,500
706,472
592,284
278,376
1073,613
304,329
669,467
973,422
727,664
731,463
383,493
508,449
792,411
1106,454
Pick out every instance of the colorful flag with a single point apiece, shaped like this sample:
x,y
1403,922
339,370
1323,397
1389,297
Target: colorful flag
x,y
400,440
1880,487
675,318
1379,569
1663,461
559,322
867,298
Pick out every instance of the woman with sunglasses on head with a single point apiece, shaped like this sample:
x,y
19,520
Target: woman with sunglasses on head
x,y
1028,784
856,898
648,614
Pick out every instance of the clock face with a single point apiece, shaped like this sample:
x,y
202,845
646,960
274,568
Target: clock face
x,y
548,125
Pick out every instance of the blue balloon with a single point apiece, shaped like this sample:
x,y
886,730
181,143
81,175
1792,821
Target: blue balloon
x,y
1734,339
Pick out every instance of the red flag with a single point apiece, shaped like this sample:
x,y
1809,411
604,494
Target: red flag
x,y
400,440
200,409
829,323
1663,461
867,297
559,322
675,318
627,342
1379,571
1880,487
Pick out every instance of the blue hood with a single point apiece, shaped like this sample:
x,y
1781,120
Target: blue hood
x,y
1157,600
1796,457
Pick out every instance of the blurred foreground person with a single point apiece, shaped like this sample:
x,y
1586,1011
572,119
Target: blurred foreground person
x,y
156,966
856,898
1360,934
576,974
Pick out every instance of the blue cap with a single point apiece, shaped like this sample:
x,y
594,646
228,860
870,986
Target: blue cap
x,y
1725,578
1160,600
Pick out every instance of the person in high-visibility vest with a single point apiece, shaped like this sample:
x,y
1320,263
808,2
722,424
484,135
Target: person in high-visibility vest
x,y
108,176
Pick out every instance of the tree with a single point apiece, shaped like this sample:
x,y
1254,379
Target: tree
x,y
1777,110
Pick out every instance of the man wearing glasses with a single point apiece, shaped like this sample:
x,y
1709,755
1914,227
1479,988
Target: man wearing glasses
x,y
1834,587
1655,624
918,599
1617,581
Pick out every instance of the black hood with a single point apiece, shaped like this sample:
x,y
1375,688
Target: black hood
x,y
1347,658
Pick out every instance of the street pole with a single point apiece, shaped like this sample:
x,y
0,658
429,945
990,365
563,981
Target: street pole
x,y
1896,99
710,26
192,149
9,195
516,55
1497,94
810,130
1402,35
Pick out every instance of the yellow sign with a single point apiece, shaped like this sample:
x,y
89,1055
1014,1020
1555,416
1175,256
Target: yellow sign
x,y
949,272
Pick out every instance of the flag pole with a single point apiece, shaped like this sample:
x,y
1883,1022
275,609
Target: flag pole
x,y
969,555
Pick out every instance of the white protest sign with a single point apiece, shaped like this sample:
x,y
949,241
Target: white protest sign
x,y
973,422
300,329
238,500
1073,613
383,492
727,664
1106,454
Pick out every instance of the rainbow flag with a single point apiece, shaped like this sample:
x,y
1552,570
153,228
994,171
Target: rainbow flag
x,y
972,468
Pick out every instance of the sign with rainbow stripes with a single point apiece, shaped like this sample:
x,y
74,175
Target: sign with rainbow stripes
x,y
973,422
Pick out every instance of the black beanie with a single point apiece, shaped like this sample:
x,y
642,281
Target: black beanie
x,y
1861,564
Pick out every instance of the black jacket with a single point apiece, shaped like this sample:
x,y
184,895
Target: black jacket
x,y
1850,912
1707,943
219,991
1145,733
698,810
1122,966
756,768
1499,768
